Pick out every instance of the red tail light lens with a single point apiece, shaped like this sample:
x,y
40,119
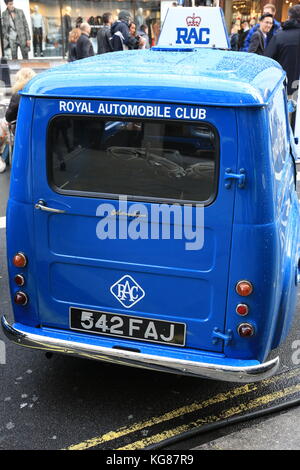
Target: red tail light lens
x,y
242,309
20,298
245,330
19,280
19,260
244,288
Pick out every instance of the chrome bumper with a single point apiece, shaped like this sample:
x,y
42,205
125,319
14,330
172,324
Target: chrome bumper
x,y
136,359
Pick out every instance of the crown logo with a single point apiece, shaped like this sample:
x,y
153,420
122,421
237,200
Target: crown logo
x,y
193,20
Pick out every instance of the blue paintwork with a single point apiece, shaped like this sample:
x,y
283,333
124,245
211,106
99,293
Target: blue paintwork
x,y
250,232
209,77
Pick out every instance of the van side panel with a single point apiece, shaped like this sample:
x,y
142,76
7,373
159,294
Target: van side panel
x,y
287,215
254,236
265,232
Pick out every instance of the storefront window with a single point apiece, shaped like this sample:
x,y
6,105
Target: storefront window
x,y
49,22
46,28
285,8
61,17
246,10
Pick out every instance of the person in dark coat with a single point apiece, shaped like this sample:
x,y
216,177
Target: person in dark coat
x,y
243,33
268,8
121,37
73,38
143,33
104,35
234,38
285,48
84,47
259,39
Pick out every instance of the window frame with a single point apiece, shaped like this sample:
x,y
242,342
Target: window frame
x,y
134,198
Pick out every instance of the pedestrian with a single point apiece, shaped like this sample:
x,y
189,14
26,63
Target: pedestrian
x,y
243,32
73,38
143,33
22,78
132,30
140,38
285,48
104,34
259,38
268,8
84,47
78,22
121,37
9,122
15,31
4,142
234,38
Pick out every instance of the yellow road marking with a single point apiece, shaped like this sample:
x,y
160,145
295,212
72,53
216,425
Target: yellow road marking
x,y
219,398
264,400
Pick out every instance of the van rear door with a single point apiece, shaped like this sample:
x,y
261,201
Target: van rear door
x,y
133,220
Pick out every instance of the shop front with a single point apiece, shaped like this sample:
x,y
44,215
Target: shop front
x,y
50,21
246,10
251,10
286,4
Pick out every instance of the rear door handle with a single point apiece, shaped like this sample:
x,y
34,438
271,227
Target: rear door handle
x,y
41,205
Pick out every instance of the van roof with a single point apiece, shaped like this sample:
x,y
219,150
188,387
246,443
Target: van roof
x,y
204,76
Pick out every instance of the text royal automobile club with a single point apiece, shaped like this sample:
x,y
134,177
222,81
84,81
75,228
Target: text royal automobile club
x,y
133,110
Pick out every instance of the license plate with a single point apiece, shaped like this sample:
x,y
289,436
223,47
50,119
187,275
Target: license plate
x,y
125,326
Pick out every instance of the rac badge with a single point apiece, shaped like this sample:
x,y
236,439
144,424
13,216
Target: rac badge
x,y
193,34
127,291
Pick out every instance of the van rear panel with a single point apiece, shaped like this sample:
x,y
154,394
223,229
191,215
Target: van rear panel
x,y
159,276
140,199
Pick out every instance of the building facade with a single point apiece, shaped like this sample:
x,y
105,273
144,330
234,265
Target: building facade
x,y
50,21
250,10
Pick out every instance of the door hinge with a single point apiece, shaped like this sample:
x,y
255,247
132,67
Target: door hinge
x,y
240,177
217,335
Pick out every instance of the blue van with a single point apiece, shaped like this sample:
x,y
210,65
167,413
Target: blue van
x,y
153,219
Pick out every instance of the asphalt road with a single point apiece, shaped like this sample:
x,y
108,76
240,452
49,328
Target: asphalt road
x,y
70,403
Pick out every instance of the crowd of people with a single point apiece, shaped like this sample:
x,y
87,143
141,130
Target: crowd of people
x,y
112,36
268,38
249,37
271,39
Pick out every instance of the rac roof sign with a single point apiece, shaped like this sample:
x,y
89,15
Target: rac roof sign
x,y
194,27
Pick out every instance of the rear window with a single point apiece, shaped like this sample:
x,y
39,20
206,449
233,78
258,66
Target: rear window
x,y
161,160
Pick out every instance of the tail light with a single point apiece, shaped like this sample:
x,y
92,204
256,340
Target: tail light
x,y
244,288
20,298
242,309
19,260
19,280
245,330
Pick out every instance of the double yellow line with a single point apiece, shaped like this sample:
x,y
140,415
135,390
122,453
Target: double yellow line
x,y
184,410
